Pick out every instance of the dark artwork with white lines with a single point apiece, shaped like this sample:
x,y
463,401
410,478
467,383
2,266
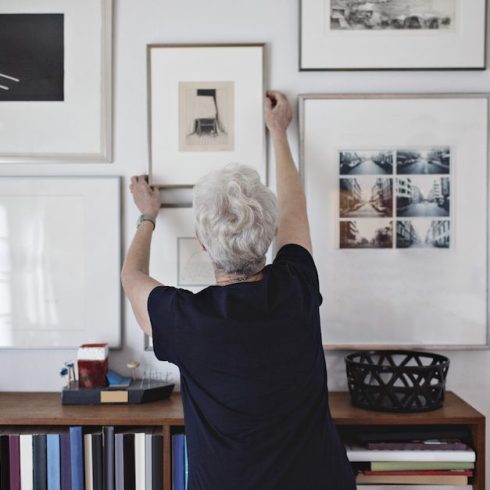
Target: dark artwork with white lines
x,y
32,57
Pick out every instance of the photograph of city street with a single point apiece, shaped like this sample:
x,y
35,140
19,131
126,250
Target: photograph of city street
x,y
423,233
418,161
423,196
366,197
392,14
366,233
366,162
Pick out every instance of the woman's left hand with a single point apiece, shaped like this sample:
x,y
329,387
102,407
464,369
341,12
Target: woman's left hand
x,y
146,197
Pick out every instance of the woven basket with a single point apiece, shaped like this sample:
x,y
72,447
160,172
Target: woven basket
x,y
397,381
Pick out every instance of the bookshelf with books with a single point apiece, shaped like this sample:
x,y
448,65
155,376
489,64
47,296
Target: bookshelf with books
x,y
45,425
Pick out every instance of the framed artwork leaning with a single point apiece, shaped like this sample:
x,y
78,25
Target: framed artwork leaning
x,y
392,35
55,81
60,260
397,190
205,110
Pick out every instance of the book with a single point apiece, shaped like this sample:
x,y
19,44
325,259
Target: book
x,y
420,465
26,468
76,458
39,462
415,487
428,445
413,479
360,454
157,460
97,461
420,473
109,467
139,460
148,461
4,462
53,462
119,461
186,464
65,461
88,462
14,459
128,461
178,462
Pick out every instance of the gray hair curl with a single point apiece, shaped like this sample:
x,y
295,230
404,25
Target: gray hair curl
x,y
235,218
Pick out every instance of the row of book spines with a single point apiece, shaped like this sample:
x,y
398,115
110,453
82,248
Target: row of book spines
x,y
180,462
71,460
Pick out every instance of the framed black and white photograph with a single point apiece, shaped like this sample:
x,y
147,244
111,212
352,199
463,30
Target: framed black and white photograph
x,y
366,162
434,243
392,34
55,81
205,110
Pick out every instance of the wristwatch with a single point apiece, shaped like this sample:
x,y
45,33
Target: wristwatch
x,y
146,217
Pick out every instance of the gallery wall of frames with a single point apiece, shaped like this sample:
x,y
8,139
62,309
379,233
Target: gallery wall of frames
x,y
391,140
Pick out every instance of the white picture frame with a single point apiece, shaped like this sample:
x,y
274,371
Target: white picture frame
x,y
226,113
60,261
378,298
77,126
392,35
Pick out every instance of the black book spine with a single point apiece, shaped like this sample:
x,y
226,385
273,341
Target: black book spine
x,y
97,461
4,463
157,461
109,458
129,463
39,462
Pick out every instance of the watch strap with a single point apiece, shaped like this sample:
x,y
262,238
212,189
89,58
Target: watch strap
x,y
146,217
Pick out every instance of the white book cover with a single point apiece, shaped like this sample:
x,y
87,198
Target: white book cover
x,y
415,487
26,468
359,454
139,460
87,457
148,467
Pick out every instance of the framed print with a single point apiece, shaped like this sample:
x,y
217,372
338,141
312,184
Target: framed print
x,y
392,35
55,81
205,110
60,261
397,190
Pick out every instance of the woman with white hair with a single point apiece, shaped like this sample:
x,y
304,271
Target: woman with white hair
x,y
249,349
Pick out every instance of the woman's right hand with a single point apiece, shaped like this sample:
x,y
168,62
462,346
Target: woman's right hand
x,y
278,112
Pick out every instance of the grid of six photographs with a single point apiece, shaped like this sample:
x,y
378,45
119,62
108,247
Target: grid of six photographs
x,y
395,198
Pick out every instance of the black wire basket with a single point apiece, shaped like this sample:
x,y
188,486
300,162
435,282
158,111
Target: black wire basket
x,y
397,380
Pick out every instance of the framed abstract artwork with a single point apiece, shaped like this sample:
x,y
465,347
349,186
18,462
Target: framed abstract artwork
x,y
60,261
205,110
55,81
397,190
392,35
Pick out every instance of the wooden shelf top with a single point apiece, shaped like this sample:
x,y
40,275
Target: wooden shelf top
x,y
46,409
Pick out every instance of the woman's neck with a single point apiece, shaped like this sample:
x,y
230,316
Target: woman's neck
x,y
224,279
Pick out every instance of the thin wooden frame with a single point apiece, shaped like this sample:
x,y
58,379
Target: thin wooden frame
x,y
302,99
263,168
106,110
300,49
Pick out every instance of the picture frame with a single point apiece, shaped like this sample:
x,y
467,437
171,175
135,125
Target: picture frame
x,y
337,35
62,74
205,110
376,297
59,280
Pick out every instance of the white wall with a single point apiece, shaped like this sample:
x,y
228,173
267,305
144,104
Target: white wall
x,y
139,22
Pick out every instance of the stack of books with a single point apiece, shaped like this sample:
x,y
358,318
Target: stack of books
x,y
106,458
409,458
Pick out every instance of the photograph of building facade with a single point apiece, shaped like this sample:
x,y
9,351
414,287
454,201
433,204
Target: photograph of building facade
x,y
423,233
366,162
366,233
430,161
367,197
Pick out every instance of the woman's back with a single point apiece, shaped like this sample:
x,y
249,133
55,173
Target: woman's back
x,y
253,380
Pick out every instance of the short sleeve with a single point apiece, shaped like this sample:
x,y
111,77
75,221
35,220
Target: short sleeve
x,y
161,311
300,260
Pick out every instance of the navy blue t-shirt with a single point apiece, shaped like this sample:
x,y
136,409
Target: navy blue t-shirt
x,y
253,380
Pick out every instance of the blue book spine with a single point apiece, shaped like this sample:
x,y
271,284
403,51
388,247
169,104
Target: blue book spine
x,y
186,464
178,462
76,458
54,460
